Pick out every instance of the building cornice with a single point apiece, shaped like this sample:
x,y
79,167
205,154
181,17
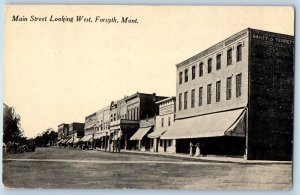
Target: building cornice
x,y
215,47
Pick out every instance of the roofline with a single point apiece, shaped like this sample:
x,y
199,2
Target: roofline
x,y
206,51
137,94
191,59
62,124
164,100
75,123
95,113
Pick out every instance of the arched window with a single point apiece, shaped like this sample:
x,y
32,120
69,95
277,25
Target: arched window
x,y
239,53
180,78
193,72
229,57
218,65
209,65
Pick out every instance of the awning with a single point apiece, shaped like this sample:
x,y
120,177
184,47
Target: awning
x,y
99,135
238,129
66,141
76,140
90,126
157,133
69,141
211,125
141,132
60,141
86,138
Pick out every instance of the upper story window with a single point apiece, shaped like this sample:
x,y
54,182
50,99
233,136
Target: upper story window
x,y
180,78
209,65
201,69
193,98
228,88
193,72
229,57
239,53
209,94
200,95
238,85
218,61
186,75
185,100
169,121
218,91
162,122
137,114
133,113
180,102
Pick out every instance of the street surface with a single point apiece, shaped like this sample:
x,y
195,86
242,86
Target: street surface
x,y
69,168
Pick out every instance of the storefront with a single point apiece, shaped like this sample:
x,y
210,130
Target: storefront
x,y
220,133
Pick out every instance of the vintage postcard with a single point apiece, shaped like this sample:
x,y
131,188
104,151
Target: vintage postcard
x,y
148,97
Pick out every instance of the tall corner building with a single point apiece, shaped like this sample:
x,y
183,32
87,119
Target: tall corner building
x,y
236,97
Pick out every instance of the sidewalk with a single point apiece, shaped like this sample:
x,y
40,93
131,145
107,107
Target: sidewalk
x,y
209,158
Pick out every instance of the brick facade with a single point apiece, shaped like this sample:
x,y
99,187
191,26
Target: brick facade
x,y
259,66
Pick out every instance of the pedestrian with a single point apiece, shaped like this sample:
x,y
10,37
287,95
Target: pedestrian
x,y
191,148
197,150
118,146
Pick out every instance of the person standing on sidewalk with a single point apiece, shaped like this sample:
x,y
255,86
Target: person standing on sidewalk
x,y
197,150
191,148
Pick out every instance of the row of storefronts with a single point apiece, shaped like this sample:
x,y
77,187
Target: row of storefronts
x,y
235,98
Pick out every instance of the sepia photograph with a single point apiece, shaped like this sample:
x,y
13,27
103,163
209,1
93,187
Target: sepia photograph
x,y
148,97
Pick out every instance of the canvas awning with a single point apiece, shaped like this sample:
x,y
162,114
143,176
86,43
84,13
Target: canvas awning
x,y
238,129
86,138
211,125
76,140
99,135
157,133
60,141
66,141
141,132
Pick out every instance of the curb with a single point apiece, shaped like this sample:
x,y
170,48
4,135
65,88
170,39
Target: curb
x,y
203,159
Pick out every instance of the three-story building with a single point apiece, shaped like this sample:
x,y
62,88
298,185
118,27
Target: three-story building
x,y
236,97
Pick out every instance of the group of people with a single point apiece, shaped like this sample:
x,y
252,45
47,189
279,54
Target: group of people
x,y
199,149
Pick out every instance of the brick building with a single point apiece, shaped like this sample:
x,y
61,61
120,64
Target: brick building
x,y
140,140
63,131
89,129
141,107
164,122
76,130
102,126
236,97
125,115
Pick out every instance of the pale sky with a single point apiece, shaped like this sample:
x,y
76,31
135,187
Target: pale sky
x,y
61,72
